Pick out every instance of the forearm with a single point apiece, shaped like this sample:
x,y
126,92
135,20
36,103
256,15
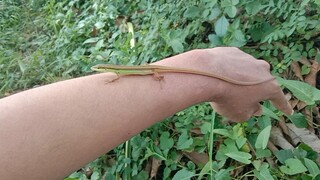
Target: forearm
x,y
53,130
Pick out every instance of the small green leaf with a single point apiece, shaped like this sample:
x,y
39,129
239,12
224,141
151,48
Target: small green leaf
x,y
298,120
215,12
165,141
270,113
223,132
184,142
263,153
240,156
99,24
264,173
95,175
226,3
204,170
253,7
304,3
183,174
231,11
192,12
283,155
312,167
91,40
176,46
293,166
221,26
234,2
215,40
230,145
305,70
264,121
263,138
224,174
241,141
205,127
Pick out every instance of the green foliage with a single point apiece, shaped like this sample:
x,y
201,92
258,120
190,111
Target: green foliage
x,y
262,170
42,42
183,174
293,166
302,91
299,120
263,138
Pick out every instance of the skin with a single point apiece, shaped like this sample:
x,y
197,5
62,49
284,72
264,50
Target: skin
x,y
53,130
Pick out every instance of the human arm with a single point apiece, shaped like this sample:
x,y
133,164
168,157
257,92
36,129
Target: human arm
x,y
50,131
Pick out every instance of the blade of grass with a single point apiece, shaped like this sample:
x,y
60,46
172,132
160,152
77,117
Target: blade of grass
x,y
211,144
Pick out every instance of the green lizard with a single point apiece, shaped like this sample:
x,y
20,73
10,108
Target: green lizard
x,y
155,70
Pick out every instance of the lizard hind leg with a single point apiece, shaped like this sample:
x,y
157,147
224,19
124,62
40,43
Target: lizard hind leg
x,y
158,77
113,80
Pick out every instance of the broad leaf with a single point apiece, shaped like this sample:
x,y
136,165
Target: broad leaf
x,y
192,12
240,156
176,46
231,11
91,40
221,26
184,141
263,138
301,90
165,141
215,40
299,120
263,153
283,155
204,170
270,113
293,166
183,174
241,141
264,173
223,132
224,174
312,167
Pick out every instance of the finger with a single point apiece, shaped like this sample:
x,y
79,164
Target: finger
x,y
258,112
280,102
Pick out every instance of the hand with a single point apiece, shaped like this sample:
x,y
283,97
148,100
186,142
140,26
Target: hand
x,y
239,103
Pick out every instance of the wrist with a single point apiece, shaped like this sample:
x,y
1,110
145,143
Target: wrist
x,y
202,88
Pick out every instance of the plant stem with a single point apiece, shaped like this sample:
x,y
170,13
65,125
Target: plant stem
x,y
211,144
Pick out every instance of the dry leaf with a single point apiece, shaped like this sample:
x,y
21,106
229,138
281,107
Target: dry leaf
x,y
199,159
196,131
294,103
304,135
295,67
307,113
317,115
283,126
305,61
301,105
272,147
278,139
148,165
156,163
311,77
288,96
